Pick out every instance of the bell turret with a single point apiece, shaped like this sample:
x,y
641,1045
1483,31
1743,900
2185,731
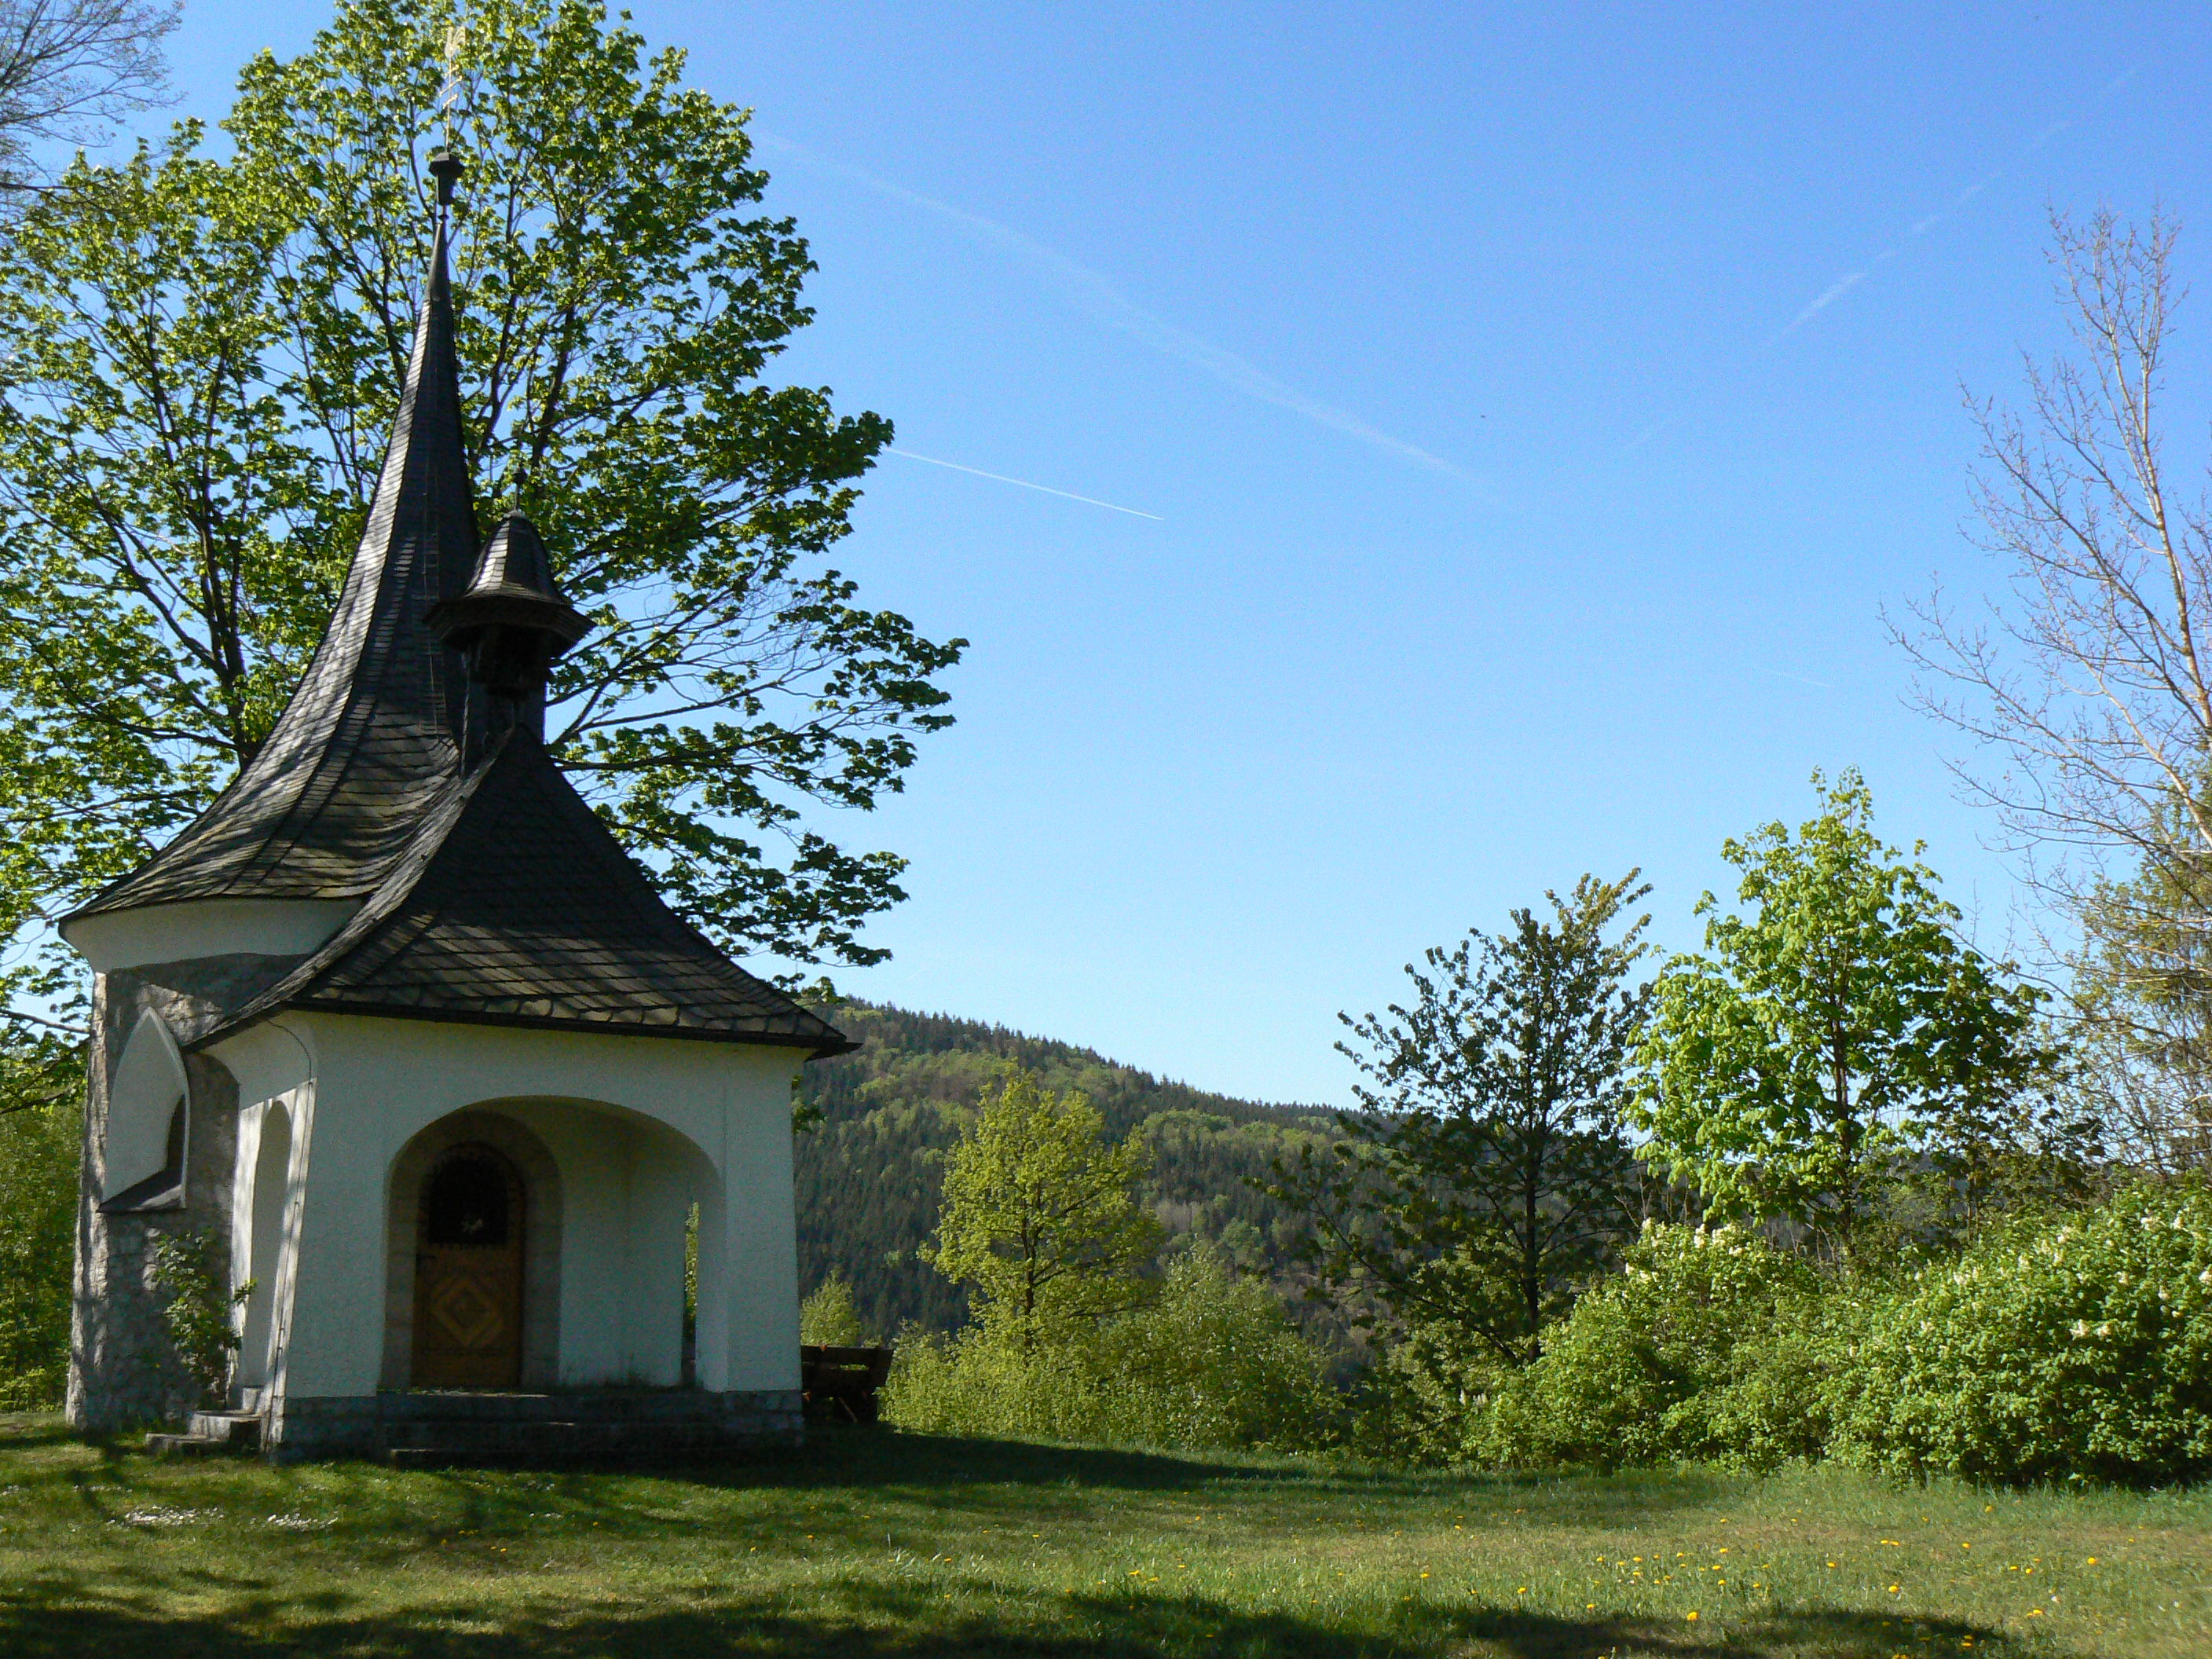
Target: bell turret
x,y
511,624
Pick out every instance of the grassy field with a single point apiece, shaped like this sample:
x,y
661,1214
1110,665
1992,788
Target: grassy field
x,y
878,1544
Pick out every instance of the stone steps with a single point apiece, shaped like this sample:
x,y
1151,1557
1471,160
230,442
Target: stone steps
x,y
209,1434
425,1440
427,1427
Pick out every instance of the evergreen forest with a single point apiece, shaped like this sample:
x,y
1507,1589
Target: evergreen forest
x,y
870,1169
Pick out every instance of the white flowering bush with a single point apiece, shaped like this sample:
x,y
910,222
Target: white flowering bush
x,y
2068,1347
1689,1353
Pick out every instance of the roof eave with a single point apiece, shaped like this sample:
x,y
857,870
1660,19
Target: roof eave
x,y
819,1047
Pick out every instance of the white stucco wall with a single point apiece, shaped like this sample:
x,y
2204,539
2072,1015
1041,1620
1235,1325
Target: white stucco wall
x,y
207,928
641,1128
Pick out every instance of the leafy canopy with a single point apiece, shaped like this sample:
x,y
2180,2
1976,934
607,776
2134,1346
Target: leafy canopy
x,y
1487,1176
1832,1034
199,362
1041,1217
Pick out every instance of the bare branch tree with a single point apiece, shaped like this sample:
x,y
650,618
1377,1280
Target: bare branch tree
x,y
70,69
2086,682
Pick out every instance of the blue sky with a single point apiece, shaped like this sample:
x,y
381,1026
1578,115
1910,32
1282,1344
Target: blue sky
x,y
1524,412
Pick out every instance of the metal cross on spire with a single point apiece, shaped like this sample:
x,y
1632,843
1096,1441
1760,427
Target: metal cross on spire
x,y
449,95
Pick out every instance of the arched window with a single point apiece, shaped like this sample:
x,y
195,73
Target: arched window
x,y
148,1124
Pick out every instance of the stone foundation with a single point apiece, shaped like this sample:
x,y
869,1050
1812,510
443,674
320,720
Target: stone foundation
x,y
586,1424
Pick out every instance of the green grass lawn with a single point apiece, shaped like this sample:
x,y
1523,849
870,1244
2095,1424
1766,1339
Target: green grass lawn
x,y
874,1543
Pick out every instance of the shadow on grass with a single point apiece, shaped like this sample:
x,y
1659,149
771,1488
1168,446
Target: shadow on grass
x,y
830,1487
873,1457
876,1622
856,1484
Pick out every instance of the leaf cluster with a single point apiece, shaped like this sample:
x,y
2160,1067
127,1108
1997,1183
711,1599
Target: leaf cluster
x,y
1837,1035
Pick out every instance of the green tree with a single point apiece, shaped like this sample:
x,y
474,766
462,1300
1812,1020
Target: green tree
x,y
202,357
1487,1175
41,1132
1041,1218
827,1317
1836,1036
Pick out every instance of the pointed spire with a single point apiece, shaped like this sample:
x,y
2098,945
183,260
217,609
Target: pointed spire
x,y
491,891
376,725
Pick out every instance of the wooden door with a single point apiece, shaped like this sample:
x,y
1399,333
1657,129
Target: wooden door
x,y
468,1274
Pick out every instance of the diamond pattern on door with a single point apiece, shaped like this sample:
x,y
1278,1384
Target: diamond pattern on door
x,y
468,1272
466,1312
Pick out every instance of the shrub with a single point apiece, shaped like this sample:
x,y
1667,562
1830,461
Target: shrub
x,y
828,1318
199,1306
981,1382
1213,1363
38,1154
1416,1403
2058,1346
1697,1349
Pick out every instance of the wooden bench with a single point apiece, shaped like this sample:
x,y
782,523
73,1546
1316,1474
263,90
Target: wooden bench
x,y
842,1382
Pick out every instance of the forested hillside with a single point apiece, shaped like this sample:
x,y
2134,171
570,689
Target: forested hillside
x,y
868,1173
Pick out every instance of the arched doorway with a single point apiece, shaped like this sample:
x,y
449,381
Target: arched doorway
x,y
468,1272
272,1169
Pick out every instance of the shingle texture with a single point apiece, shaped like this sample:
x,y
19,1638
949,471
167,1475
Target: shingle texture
x,y
515,906
493,892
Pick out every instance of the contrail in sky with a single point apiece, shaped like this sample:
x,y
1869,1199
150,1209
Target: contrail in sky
x,y
1920,228
1784,674
1094,292
1000,477
1835,291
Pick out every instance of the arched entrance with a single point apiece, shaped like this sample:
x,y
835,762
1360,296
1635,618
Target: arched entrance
x,y
272,1170
469,1272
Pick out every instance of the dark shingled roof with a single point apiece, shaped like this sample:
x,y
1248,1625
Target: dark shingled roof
x,y
370,736
494,894
515,906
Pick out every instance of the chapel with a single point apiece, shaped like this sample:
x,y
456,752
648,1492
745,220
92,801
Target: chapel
x,y
400,1031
